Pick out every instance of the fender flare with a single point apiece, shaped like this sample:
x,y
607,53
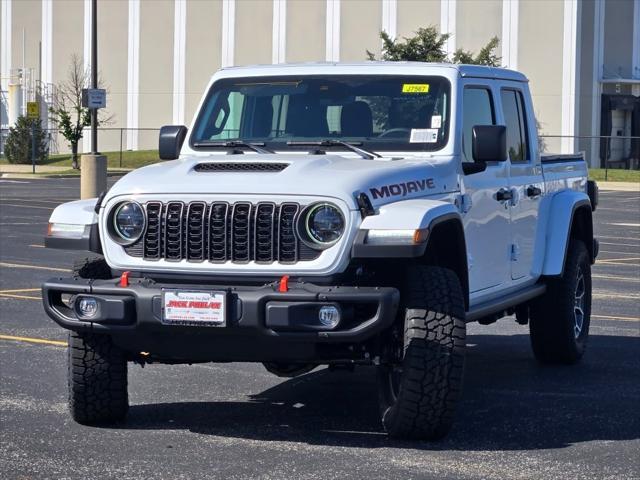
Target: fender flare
x,y
410,214
413,214
441,218
563,210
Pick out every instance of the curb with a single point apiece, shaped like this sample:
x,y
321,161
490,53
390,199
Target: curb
x,y
39,176
619,186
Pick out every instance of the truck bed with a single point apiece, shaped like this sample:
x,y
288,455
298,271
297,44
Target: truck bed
x,y
562,171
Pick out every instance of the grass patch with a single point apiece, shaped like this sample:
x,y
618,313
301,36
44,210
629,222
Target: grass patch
x,y
614,175
140,158
130,159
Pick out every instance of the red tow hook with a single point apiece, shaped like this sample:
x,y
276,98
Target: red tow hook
x,y
124,279
284,284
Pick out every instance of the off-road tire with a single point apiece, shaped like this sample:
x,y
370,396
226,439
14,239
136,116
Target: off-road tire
x,y
421,401
92,268
557,335
97,379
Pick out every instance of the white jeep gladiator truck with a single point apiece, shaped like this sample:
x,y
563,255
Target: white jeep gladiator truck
x,y
332,214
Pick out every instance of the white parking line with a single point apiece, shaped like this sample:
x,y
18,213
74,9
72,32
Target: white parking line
x,y
23,206
621,244
613,317
35,267
616,278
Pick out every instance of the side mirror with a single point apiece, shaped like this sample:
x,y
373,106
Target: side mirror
x,y
171,140
489,143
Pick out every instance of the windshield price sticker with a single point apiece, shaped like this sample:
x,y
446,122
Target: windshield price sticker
x,y
424,135
415,88
194,307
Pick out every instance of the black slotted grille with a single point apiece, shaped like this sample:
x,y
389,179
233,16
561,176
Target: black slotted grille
x,y
287,239
152,243
241,232
220,232
196,231
264,233
173,223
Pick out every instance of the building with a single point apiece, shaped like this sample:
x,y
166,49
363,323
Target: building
x,y
582,56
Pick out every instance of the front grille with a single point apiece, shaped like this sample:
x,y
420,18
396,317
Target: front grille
x,y
220,232
240,167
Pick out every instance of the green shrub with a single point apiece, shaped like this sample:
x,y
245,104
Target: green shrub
x,y
18,145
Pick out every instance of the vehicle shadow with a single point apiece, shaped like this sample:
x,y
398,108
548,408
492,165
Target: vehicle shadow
x,y
509,403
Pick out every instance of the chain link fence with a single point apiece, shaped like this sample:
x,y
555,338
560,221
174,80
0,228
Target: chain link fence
x,y
608,152
117,142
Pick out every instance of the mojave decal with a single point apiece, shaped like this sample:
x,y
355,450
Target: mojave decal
x,y
402,189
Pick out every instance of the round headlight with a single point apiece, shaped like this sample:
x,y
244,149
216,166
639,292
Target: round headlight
x,y
323,225
129,221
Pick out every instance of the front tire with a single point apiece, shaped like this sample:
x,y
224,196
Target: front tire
x,y
94,268
97,379
418,394
560,319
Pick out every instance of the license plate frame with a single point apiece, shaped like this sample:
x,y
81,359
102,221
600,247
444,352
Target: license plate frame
x,y
190,309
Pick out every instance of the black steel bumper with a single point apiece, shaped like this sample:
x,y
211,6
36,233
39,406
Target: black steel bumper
x,y
262,323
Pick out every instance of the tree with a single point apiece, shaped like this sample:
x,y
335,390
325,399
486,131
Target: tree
x,y
19,143
486,56
67,111
428,45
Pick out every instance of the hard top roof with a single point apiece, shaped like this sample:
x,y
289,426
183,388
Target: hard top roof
x,y
353,68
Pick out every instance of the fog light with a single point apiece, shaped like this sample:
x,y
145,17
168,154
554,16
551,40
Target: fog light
x,y
329,316
87,307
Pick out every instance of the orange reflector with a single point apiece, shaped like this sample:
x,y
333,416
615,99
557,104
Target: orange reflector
x,y
284,284
49,227
420,236
124,279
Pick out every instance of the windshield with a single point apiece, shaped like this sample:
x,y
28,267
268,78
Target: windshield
x,y
375,112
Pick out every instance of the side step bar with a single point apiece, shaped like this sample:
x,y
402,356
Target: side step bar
x,y
500,305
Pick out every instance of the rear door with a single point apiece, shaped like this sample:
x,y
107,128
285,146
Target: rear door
x,y
525,179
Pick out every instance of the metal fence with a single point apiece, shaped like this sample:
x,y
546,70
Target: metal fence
x,y
606,152
110,140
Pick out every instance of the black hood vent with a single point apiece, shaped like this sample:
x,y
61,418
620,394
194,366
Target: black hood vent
x,y
240,167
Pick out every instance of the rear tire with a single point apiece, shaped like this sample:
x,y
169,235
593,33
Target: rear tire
x,y
418,395
97,379
559,323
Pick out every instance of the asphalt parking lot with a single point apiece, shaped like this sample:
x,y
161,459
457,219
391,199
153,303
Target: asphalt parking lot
x,y
516,419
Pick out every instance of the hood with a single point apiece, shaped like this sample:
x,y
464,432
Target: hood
x,y
337,176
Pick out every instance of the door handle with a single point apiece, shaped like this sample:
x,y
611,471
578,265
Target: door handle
x,y
533,191
504,194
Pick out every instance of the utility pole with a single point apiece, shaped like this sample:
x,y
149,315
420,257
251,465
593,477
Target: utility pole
x,y
93,174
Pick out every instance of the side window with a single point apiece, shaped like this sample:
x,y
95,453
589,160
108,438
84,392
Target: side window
x,y
515,120
477,109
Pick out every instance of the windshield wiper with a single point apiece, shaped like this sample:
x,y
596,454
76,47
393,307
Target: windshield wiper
x,y
233,144
367,154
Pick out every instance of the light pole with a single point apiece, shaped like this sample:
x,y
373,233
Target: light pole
x,y
93,174
94,74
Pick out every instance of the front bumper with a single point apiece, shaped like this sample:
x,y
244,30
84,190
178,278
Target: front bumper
x,y
262,323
